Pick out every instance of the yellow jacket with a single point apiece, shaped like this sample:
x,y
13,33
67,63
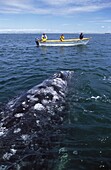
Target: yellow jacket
x,y
62,37
44,37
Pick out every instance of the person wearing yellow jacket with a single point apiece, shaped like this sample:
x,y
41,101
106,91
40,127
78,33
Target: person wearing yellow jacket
x,y
62,37
44,37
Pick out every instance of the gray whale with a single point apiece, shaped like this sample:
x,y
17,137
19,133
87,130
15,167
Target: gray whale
x,y
31,124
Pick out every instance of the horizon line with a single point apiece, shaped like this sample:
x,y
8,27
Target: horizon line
x,y
39,32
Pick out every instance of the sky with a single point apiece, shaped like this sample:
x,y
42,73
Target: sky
x,y
55,16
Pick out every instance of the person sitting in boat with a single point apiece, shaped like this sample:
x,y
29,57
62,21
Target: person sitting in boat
x,y
44,37
81,36
62,37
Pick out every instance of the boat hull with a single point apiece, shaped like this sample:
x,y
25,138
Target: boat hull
x,y
67,42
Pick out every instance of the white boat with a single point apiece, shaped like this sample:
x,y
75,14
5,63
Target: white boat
x,y
66,42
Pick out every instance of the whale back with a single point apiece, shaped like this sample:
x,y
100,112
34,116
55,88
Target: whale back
x,y
31,121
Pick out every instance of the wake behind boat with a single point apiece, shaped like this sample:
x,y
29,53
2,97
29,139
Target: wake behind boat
x,y
66,42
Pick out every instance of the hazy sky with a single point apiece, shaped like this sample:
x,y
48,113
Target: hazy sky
x,y
65,16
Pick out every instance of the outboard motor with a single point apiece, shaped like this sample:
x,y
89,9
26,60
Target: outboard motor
x,y
37,41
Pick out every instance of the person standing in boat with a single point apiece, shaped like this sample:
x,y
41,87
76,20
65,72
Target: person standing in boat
x,y
81,36
62,37
44,37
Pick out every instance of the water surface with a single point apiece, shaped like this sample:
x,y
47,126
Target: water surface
x,y
87,126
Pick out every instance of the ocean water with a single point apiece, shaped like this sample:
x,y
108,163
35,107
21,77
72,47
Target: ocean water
x,y
86,143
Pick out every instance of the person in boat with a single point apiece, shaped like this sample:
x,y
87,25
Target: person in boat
x,y
81,36
44,37
62,37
